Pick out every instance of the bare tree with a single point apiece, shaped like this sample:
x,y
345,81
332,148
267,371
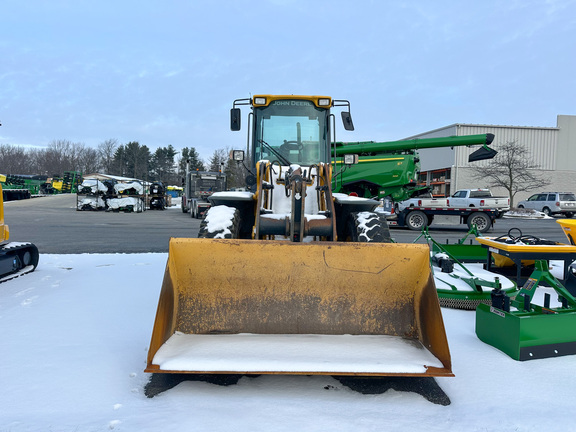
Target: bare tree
x,y
14,160
106,150
512,169
88,160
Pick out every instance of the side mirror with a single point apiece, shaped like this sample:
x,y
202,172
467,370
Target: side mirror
x,y
347,121
235,116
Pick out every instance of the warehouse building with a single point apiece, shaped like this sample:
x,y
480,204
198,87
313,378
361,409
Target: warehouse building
x,y
553,149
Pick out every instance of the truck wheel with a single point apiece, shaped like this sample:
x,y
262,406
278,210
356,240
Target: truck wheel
x,y
367,227
228,223
481,220
416,220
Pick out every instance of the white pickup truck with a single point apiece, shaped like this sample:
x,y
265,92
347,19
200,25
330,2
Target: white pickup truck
x,y
478,198
463,198
472,206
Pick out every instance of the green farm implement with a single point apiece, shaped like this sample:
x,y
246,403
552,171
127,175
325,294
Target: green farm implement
x,y
524,330
460,279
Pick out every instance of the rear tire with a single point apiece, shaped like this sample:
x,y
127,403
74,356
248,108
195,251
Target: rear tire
x,y
481,220
569,215
416,220
229,229
367,227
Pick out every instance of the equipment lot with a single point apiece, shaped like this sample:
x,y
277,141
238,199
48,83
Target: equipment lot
x,y
81,323
54,226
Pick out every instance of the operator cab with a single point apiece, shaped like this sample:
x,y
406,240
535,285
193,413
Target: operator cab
x,y
290,129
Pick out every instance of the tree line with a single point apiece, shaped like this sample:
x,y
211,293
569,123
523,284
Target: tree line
x,y
132,159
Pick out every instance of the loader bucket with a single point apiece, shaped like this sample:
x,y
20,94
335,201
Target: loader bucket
x,y
273,307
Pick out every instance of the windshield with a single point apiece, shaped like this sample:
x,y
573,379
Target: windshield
x,y
291,132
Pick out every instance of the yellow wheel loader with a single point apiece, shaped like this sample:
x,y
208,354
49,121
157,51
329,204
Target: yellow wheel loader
x,y
289,278
16,258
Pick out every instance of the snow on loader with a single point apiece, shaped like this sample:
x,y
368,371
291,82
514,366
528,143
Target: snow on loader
x,y
16,258
289,278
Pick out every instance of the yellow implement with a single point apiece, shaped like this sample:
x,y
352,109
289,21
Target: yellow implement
x,y
270,307
569,228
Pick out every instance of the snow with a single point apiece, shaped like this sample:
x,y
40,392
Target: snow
x,y
233,194
343,198
74,340
294,353
525,214
218,219
445,280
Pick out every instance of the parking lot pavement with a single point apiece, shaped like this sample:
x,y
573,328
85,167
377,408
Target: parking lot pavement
x,y
54,226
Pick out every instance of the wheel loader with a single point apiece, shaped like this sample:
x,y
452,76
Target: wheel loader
x,y
290,278
16,258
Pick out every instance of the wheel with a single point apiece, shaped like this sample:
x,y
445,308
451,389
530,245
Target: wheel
x,y
225,223
520,206
547,211
416,220
569,215
481,220
367,227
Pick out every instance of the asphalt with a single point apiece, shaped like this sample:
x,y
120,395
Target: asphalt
x,y
54,225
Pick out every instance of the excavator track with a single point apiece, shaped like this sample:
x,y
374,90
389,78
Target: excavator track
x,y
17,259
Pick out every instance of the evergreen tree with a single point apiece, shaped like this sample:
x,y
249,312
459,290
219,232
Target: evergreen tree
x,y
132,160
218,160
162,164
190,154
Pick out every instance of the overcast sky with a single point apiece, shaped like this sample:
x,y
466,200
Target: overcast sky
x,y
167,72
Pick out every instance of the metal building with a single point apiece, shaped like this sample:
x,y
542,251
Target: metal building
x,y
553,149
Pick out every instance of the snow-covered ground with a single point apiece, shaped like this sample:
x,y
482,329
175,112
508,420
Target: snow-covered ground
x,y
74,336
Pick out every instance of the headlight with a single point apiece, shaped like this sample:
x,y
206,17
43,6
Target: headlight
x,y
259,101
350,159
323,102
237,155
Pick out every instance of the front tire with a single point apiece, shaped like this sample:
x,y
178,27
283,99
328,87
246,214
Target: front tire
x,y
220,222
547,211
367,227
